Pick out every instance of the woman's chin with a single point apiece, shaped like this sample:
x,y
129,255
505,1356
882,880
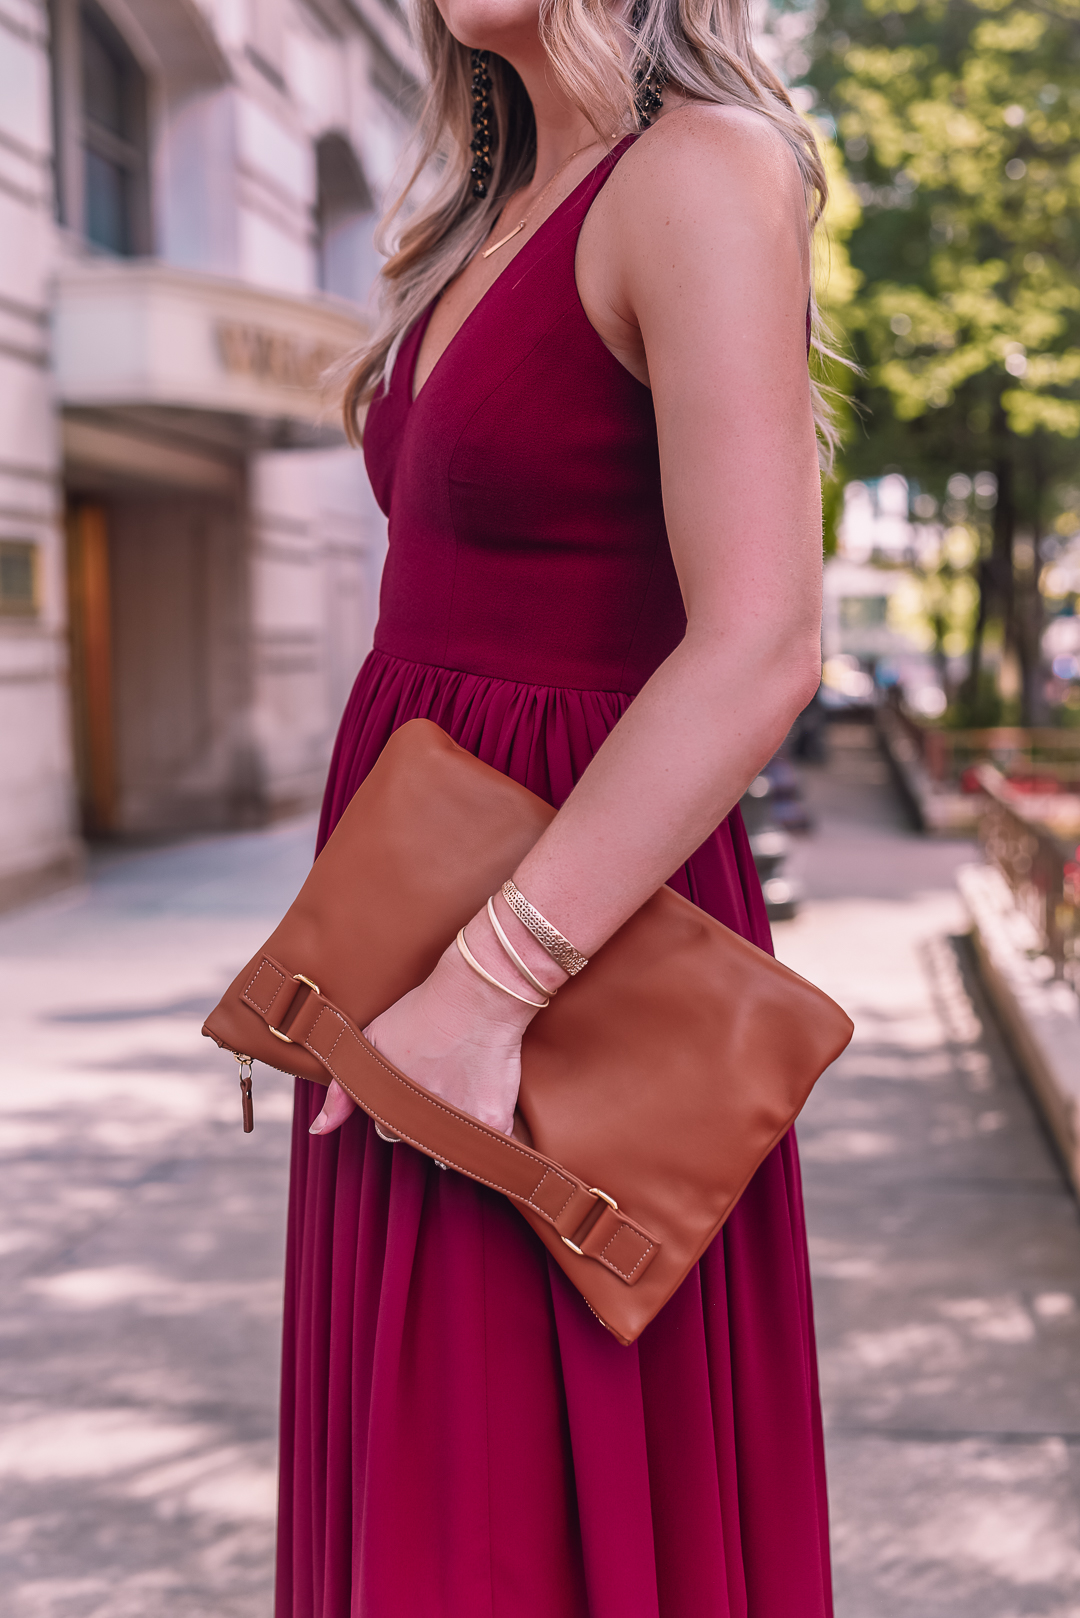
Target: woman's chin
x,y
505,27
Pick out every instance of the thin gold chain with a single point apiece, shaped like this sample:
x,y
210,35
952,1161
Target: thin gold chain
x,y
520,226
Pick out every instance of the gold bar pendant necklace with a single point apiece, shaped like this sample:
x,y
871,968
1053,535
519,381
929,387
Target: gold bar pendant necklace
x,y
520,226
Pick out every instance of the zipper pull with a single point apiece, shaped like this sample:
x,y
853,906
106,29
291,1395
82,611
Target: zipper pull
x,y
245,1093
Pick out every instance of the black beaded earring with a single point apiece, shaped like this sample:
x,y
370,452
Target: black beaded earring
x,y
483,141
648,99
650,78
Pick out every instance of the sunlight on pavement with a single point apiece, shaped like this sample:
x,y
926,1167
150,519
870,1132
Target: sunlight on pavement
x,y
141,1253
944,1247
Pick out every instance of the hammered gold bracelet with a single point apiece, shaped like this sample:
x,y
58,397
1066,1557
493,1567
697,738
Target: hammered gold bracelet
x,y
560,949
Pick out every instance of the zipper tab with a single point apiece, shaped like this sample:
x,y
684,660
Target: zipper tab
x,y
245,1093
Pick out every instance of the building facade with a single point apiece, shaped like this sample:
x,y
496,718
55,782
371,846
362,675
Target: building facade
x,y
189,555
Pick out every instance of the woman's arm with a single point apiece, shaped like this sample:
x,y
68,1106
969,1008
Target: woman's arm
x,y
700,259
709,235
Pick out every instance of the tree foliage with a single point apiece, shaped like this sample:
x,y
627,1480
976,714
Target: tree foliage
x,y
960,123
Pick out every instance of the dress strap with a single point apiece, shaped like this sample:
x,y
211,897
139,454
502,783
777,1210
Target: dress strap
x,y
594,183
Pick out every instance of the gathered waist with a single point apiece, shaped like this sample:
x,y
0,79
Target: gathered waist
x,y
488,676
543,735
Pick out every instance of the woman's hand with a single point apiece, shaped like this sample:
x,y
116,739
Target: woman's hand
x,y
455,1035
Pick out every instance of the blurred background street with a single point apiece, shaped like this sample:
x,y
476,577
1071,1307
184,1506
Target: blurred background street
x,y
945,1246
143,1233
190,559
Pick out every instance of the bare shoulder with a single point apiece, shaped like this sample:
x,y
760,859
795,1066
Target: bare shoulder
x,y
703,220
698,156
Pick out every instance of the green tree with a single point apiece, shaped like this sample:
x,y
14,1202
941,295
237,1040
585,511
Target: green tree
x,y
837,283
960,123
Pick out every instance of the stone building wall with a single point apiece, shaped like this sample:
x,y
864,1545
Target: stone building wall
x,y
189,555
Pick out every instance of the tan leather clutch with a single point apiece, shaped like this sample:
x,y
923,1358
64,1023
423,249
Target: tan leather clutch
x,y
652,1087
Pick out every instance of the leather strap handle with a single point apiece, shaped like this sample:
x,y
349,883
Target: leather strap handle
x,y
585,1218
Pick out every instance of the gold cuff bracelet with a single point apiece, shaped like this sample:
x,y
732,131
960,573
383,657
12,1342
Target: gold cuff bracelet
x,y
560,949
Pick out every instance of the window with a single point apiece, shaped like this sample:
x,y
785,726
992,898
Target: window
x,y
345,215
100,99
863,612
18,592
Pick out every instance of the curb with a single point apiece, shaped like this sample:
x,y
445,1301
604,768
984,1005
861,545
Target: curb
x,y
1039,1017
941,813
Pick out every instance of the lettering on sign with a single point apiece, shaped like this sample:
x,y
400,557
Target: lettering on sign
x,y
273,356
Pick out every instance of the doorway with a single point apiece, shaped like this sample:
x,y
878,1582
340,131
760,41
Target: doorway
x,y
158,668
90,629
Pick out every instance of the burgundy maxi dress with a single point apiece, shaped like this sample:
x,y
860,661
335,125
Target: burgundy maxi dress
x,y
460,1438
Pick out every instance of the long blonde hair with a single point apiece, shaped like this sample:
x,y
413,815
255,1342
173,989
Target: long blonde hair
x,y
703,48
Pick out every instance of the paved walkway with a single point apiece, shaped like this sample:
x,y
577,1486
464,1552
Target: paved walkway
x,y
140,1245
946,1251
141,1248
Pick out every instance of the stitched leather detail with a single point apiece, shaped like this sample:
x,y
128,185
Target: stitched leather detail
x,y
626,1251
559,1184
430,1100
274,981
327,1058
624,1237
620,1245
393,1126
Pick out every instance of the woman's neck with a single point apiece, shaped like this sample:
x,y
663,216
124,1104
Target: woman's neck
x,y
561,128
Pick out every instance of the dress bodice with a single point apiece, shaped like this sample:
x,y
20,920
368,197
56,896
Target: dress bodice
x,y
522,486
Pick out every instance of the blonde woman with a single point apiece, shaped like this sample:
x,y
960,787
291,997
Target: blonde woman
x,y
592,426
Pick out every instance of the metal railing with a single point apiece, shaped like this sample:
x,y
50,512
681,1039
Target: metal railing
x,y
1042,872
1040,755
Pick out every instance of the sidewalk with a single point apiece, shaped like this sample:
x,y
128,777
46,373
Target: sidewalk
x,y
140,1255
141,1248
946,1250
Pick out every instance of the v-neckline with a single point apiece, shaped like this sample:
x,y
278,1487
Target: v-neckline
x,y
414,393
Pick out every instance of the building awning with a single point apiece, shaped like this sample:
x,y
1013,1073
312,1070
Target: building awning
x,y
197,358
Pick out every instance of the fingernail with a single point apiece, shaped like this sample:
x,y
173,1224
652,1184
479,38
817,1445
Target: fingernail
x,y
319,1125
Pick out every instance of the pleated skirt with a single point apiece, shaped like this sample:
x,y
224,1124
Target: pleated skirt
x,y
460,1438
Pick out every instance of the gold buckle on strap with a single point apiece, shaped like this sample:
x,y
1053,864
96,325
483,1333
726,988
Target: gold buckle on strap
x,y
595,1191
298,977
